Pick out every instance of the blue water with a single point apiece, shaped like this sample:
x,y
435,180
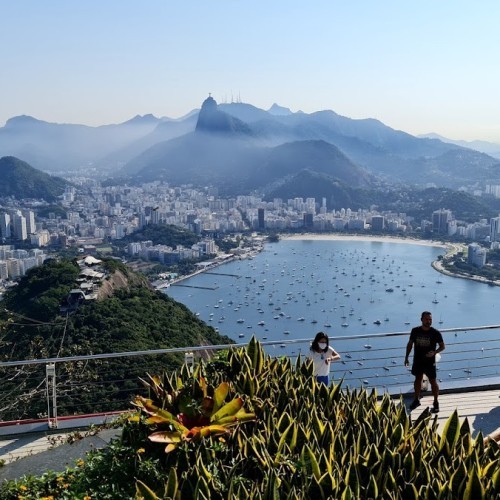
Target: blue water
x,y
295,288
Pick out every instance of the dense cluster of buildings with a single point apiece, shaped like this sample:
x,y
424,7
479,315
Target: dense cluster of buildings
x,y
95,214
15,262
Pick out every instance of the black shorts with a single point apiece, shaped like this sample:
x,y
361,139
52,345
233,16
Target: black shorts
x,y
428,369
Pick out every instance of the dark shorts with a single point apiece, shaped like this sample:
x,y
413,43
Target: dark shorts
x,y
321,379
428,369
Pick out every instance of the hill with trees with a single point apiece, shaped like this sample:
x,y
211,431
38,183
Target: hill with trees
x,y
132,318
162,234
21,180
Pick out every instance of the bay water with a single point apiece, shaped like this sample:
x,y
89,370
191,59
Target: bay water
x,y
295,288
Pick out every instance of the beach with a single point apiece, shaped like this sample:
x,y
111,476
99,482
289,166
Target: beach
x,y
356,237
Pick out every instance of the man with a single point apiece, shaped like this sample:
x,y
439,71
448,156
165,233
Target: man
x,y
425,338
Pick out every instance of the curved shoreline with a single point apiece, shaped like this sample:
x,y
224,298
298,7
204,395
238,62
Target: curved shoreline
x,y
451,248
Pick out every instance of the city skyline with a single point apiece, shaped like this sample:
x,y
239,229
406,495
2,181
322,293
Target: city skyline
x,y
421,68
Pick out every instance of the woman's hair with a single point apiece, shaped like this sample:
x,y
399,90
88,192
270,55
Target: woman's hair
x,y
319,336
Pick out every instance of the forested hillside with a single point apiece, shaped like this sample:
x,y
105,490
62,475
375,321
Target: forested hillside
x,y
134,318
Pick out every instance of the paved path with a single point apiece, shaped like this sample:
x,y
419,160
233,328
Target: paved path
x,y
481,408
36,454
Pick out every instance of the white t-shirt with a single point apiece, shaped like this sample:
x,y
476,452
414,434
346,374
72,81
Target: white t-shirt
x,y
321,369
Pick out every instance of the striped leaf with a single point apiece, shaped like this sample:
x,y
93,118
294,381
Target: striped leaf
x,y
172,486
451,431
474,489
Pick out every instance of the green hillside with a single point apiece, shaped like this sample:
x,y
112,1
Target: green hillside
x,y
133,318
21,180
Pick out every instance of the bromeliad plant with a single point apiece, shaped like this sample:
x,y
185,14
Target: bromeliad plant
x,y
189,412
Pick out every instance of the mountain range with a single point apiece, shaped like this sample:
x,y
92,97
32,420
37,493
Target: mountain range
x,y
242,148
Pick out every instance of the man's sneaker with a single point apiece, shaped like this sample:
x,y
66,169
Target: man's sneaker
x,y
415,404
435,407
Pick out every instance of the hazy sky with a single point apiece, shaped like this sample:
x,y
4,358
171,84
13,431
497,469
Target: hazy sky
x,y
419,66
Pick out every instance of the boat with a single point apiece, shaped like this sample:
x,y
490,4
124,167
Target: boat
x,y
345,325
261,323
241,335
377,322
301,319
367,346
327,325
240,320
435,300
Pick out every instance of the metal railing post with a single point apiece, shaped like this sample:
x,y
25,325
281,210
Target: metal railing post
x,y
189,359
50,370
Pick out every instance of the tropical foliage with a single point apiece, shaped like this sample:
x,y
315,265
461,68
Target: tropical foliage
x,y
307,441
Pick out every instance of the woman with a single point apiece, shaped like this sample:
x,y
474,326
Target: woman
x,y
322,355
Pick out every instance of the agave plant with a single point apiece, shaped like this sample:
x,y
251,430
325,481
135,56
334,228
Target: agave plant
x,y
190,413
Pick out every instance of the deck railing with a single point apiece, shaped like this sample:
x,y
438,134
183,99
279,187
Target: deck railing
x,y
471,359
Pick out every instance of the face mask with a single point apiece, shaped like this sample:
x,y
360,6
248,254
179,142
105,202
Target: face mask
x,y
322,345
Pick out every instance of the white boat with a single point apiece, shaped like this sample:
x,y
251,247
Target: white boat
x,y
240,320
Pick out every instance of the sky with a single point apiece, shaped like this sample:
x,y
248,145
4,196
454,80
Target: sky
x,y
419,66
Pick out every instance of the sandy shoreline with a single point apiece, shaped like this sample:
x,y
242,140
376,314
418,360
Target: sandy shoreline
x,y
356,237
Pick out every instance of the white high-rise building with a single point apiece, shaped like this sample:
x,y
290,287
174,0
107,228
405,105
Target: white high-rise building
x,y
30,221
19,226
476,255
5,225
495,229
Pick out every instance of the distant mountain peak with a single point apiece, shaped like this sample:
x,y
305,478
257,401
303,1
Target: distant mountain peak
x,y
139,119
278,110
22,120
211,119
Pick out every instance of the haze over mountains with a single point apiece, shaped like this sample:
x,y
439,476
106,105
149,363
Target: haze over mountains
x,y
241,148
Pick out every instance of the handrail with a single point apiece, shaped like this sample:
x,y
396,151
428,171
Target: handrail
x,y
468,362
218,347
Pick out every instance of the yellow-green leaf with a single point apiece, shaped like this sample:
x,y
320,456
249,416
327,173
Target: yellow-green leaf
x,y
144,492
172,484
220,395
451,431
474,489
230,408
165,437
